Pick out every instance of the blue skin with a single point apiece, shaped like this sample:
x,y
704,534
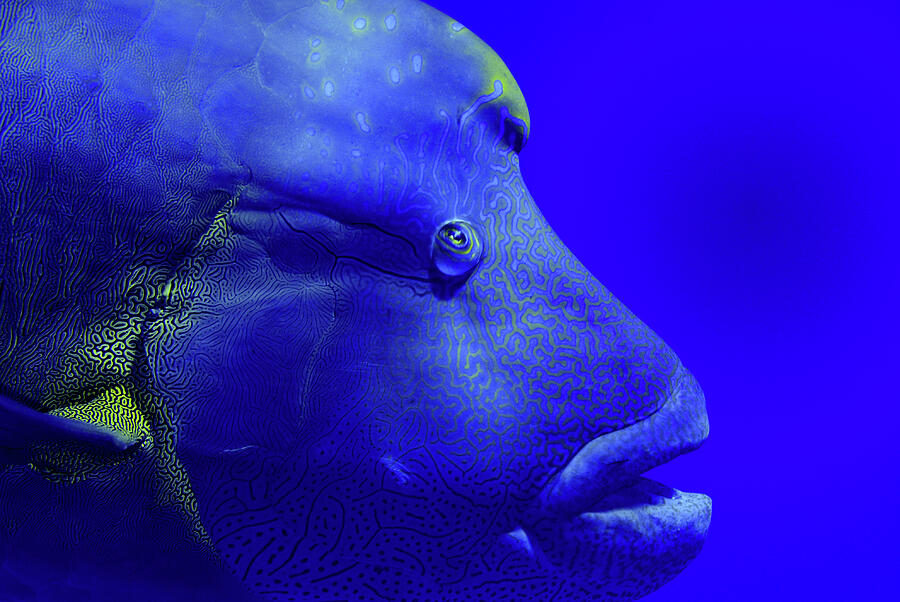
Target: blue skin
x,y
296,234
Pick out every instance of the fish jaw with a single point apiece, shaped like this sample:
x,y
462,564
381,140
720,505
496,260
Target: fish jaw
x,y
611,461
627,545
600,525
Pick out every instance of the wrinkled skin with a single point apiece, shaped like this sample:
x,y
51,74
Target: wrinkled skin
x,y
233,212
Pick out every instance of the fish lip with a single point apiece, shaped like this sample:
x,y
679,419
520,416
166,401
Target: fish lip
x,y
643,536
601,526
616,460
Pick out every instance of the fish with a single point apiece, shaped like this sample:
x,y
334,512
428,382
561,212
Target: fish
x,y
280,320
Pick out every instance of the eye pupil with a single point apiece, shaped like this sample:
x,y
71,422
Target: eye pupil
x,y
456,236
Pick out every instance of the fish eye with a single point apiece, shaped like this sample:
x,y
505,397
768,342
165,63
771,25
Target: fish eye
x,y
457,248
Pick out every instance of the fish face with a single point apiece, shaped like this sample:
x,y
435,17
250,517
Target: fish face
x,y
379,373
454,435
388,375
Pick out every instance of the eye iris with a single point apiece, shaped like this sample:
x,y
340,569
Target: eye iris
x,y
457,248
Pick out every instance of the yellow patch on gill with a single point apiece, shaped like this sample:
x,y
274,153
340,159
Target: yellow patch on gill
x,y
72,461
113,409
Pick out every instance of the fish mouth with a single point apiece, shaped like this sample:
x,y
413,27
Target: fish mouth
x,y
602,524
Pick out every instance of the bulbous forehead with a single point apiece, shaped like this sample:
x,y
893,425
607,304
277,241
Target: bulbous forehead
x,y
342,98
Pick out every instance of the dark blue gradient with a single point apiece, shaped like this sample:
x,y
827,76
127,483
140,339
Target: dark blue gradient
x,y
730,172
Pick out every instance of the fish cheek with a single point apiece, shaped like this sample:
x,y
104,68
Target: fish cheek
x,y
280,386
360,495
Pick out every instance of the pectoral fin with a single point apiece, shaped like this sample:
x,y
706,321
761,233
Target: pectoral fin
x,y
70,442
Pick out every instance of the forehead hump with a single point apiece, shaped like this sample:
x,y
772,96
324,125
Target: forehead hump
x,y
388,59
337,81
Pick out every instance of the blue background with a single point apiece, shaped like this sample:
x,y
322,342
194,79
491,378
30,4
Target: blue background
x,y
730,171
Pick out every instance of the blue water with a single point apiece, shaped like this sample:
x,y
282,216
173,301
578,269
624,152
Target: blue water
x,y
730,171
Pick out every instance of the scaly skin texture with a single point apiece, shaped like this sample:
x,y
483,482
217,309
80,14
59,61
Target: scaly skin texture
x,y
227,217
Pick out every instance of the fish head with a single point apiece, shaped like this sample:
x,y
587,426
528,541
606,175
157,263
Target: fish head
x,y
378,371
387,371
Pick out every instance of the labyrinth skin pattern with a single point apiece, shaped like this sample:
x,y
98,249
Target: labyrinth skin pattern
x,y
281,321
